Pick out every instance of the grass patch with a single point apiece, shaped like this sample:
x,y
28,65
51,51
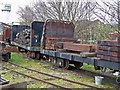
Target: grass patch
x,y
45,67
88,67
91,68
17,58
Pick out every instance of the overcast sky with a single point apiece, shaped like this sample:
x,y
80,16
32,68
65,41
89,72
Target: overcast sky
x,y
15,4
13,17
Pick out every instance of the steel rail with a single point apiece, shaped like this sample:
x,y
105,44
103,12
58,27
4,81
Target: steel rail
x,y
80,83
37,79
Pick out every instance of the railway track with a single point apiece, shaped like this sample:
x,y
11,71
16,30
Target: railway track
x,y
106,75
107,78
14,66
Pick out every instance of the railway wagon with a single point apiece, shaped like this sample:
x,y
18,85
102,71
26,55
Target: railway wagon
x,y
4,40
5,32
63,57
52,36
28,38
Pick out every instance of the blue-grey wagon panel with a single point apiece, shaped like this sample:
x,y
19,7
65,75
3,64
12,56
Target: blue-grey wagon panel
x,y
108,64
36,33
26,47
88,60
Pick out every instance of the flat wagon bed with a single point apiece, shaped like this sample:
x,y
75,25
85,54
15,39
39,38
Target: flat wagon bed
x,y
89,60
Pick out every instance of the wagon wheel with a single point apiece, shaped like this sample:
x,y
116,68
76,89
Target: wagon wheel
x,y
54,60
78,65
28,54
103,69
118,80
33,55
45,57
6,59
61,63
66,64
50,59
19,49
37,56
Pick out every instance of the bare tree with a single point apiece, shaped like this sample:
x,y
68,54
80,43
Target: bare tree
x,y
107,12
26,15
76,12
70,11
54,10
